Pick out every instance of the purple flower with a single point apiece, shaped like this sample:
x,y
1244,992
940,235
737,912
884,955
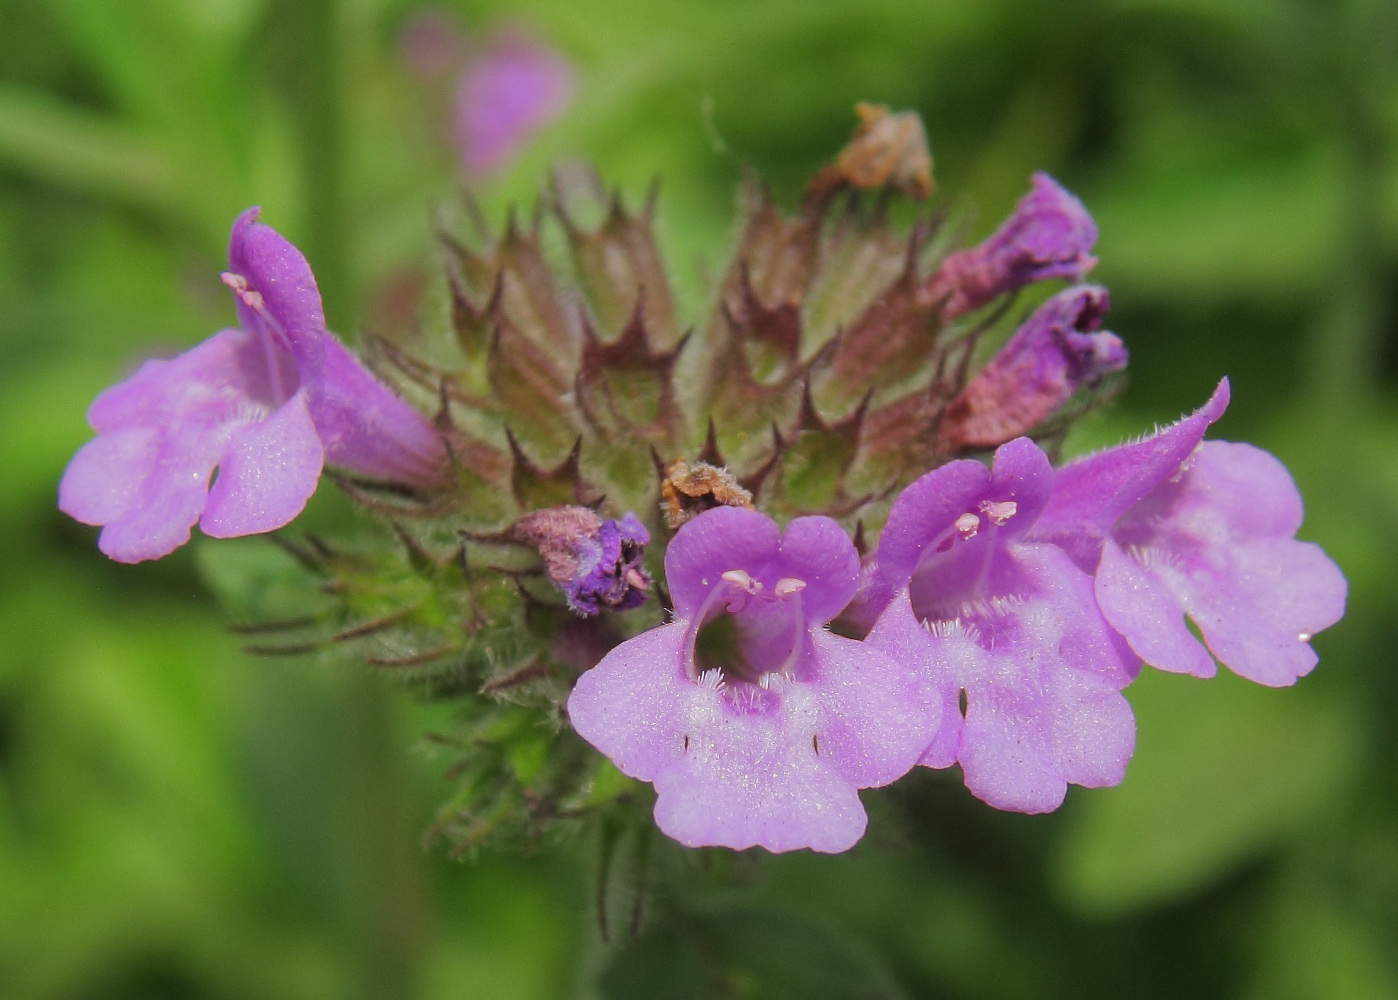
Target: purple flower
x,y
1029,674
1049,235
597,564
266,404
515,88
1049,358
756,725
1175,528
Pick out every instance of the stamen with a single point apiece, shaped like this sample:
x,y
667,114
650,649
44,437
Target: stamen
x,y
967,525
788,585
999,511
740,579
254,301
635,580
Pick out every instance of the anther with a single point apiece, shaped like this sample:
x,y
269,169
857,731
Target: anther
x,y
788,585
968,524
999,512
740,579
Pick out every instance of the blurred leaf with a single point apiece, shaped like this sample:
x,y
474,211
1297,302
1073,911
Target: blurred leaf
x,y
82,150
1223,771
1221,229
747,953
1316,949
256,581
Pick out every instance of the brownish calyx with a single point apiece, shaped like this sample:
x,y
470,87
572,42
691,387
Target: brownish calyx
x,y
690,489
888,149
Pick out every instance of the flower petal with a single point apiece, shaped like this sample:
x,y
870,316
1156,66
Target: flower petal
x,y
267,473
713,543
168,500
741,783
633,704
1149,613
277,271
817,551
899,634
1089,494
104,479
1260,619
876,715
369,430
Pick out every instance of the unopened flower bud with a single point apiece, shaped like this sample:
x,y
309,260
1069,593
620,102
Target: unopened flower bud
x,y
1049,235
597,564
1048,359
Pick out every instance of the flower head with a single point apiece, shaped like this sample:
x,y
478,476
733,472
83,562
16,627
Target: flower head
x,y
597,564
1176,528
1056,352
266,405
1029,673
506,95
755,724
1049,235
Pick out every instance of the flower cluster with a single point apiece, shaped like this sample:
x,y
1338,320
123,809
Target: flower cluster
x,y
870,561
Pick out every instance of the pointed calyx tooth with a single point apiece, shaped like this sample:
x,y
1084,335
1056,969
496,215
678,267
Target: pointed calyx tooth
x,y
770,334
620,261
625,387
888,150
510,281
530,389
892,341
535,486
689,489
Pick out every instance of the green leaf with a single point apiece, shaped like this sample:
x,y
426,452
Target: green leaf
x,y
742,952
73,148
1224,770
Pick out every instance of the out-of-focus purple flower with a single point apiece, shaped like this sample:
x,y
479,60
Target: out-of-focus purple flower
x,y
1029,674
266,404
505,96
597,564
431,43
1174,527
1049,235
1055,353
756,725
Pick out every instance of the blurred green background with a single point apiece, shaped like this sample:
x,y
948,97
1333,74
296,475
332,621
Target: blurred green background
x,y
179,820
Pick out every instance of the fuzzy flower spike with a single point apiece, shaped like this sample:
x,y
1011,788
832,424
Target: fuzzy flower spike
x,y
1177,527
755,724
1029,673
266,405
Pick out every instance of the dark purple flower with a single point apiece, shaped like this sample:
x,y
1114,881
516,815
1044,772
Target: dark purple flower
x,y
756,725
1049,235
1175,528
506,95
1029,674
1054,354
266,404
597,564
